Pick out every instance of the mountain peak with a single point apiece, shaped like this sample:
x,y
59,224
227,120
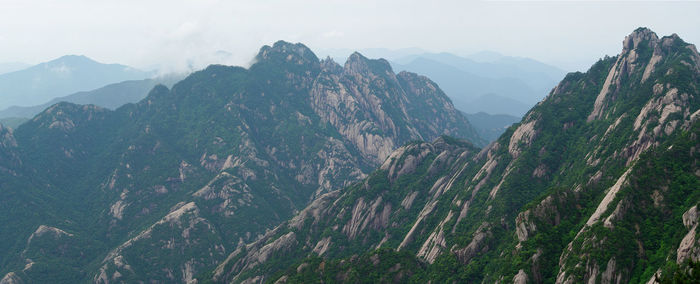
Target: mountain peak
x,y
637,37
360,64
330,65
72,59
291,52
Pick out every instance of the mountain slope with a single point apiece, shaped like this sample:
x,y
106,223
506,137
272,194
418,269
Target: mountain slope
x,y
490,126
164,189
111,96
65,75
557,198
7,67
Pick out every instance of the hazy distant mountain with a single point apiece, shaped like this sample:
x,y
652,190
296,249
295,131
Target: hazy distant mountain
x,y
7,67
465,79
485,56
504,85
495,104
340,54
60,77
490,126
111,96
492,65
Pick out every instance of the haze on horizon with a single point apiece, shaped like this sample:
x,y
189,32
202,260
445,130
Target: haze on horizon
x,y
177,35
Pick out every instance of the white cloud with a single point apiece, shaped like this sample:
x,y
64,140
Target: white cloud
x,y
333,34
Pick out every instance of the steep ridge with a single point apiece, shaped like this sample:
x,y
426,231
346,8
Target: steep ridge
x,y
164,189
377,212
584,188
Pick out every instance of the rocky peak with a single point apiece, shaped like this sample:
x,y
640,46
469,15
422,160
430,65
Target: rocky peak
x,y
65,115
359,64
296,53
6,138
642,51
638,37
329,65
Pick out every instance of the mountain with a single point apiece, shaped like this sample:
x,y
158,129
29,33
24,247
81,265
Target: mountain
x,y
7,67
495,104
388,54
597,183
490,126
13,122
111,96
65,75
164,189
506,85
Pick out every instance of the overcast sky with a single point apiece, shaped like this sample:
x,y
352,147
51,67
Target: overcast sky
x,y
176,33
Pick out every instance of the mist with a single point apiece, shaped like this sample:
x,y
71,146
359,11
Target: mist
x,y
185,35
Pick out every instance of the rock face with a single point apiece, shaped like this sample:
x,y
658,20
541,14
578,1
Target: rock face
x,y
374,108
164,189
365,216
595,184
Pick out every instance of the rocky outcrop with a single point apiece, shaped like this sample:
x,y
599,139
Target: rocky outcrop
x,y
356,216
627,62
185,228
567,168
377,110
689,247
520,278
11,278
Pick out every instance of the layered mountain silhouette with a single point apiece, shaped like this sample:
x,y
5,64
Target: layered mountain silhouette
x,y
598,183
60,77
164,189
301,170
110,96
501,85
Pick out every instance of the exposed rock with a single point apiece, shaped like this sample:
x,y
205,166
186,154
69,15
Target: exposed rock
x,y
520,278
477,244
314,211
689,247
523,226
525,134
11,278
322,246
610,275
117,209
609,196
367,214
257,254
626,64
656,278
408,200
690,217
43,230
181,223
435,243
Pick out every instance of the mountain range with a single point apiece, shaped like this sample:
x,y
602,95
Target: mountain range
x,y
301,170
506,85
110,96
7,67
483,82
598,183
164,189
60,77
490,126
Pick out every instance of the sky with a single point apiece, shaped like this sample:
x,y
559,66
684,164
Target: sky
x,y
174,35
